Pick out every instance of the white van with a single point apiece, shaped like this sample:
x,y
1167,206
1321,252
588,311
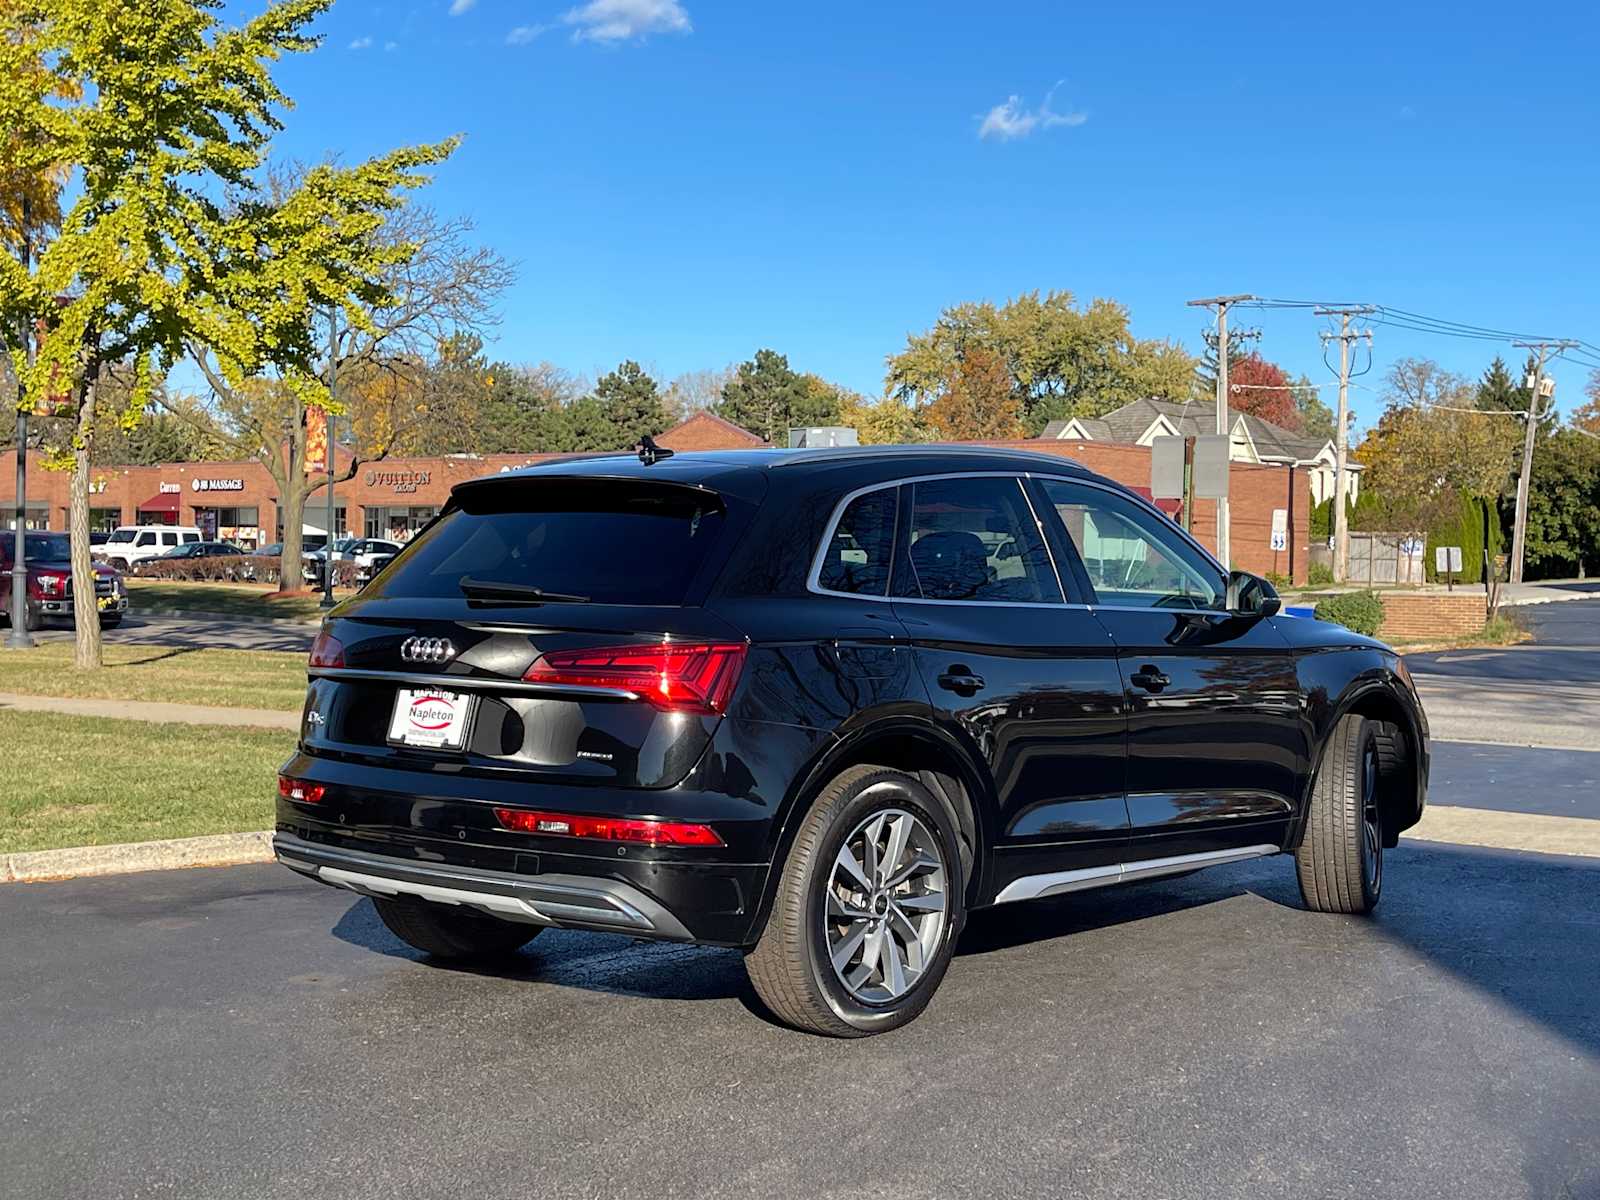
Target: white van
x,y
129,544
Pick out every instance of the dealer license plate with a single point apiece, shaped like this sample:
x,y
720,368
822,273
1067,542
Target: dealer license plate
x,y
429,718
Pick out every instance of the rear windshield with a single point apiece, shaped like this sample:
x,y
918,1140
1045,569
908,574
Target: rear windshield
x,y
610,543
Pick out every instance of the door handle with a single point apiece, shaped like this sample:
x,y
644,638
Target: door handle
x,y
960,680
1149,678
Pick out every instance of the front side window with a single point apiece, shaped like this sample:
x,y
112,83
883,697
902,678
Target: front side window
x,y
1133,558
975,539
146,539
861,546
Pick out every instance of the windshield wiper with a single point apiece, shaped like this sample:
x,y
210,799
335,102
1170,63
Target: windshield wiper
x,y
521,593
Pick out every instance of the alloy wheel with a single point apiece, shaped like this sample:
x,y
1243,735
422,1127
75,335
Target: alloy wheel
x,y
1371,824
886,906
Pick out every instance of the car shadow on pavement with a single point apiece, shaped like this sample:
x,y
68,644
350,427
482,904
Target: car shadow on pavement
x,y
1522,928
569,958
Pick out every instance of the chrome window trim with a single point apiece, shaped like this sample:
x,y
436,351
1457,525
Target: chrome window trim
x,y
813,579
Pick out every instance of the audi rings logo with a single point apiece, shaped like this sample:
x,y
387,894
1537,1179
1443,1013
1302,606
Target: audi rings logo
x,y
427,650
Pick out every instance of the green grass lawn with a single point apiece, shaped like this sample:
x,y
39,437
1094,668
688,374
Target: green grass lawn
x,y
223,678
85,781
229,599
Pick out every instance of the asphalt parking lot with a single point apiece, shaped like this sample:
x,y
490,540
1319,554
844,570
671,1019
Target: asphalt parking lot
x,y
242,1032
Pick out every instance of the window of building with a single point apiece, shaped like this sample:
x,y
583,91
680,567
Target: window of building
x,y
975,539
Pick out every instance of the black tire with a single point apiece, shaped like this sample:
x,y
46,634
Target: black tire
x,y
454,934
791,966
111,621
32,618
1340,858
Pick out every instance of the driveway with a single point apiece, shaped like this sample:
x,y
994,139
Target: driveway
x,y
1545,692
243,1032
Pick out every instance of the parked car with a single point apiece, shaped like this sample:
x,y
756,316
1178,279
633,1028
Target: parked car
x,y
363,552
130,544
48,559
795,702
206,550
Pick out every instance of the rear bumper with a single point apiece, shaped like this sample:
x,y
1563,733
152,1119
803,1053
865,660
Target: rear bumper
x,y
569,901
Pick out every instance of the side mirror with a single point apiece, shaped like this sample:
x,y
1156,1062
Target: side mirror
x,y
1250,595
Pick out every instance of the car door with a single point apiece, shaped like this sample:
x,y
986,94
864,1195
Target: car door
x,y
1027,680
1216,744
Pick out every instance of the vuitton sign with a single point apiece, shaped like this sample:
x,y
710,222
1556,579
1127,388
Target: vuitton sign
x,y
398,481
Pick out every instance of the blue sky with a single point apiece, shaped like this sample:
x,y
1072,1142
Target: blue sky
x,y
684,181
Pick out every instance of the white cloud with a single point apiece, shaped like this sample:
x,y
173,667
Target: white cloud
x,y
457,7
361,43
391,46
625,20
523,34
1014,120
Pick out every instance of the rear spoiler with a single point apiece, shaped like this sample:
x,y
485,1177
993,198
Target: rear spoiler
x,y
497,493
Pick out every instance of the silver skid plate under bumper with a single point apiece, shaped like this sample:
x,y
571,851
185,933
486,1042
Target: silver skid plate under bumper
x,y
573,901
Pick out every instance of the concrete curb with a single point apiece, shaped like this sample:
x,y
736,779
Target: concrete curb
x,y
217,850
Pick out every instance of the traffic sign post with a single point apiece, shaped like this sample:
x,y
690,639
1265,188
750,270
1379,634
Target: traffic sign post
x,y
1447,562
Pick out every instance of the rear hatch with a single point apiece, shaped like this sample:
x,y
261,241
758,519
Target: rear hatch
x,y
545,625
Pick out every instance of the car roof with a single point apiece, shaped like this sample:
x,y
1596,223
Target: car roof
x,y
719,468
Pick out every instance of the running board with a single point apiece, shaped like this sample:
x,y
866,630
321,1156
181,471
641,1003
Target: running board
x,y
1031,887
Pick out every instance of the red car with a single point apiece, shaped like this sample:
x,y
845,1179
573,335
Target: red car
x,y
48,557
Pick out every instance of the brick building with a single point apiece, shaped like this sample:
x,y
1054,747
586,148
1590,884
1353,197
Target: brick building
x,y
393,497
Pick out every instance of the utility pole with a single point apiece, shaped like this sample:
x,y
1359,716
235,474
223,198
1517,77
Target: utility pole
x,y
1341,432
20,638
1519,529
1222,304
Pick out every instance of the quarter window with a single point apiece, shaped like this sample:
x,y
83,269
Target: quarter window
x,y
1132,560
856,558
975,539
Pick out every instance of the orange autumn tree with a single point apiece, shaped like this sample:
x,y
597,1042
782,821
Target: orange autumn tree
x,y
976,401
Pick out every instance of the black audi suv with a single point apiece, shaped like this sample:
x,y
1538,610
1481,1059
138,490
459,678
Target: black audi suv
x,y
820,705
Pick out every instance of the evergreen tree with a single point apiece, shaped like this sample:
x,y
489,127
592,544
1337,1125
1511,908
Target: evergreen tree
x,y
1205,374
629,406
767,397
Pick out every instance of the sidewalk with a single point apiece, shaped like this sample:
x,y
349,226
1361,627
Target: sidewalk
x,y
1512,595
142,710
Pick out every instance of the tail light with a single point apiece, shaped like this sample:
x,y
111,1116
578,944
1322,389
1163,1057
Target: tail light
x,y
676,678
611,829
327,651
299,790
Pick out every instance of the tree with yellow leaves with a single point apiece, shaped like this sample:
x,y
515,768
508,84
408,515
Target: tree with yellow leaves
x,y
162,116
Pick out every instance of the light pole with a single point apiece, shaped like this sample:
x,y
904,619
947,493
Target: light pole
x,y
20,638
333,397
1221,304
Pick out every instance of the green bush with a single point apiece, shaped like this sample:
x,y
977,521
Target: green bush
x,y
1320,575
1279,580
1465,528
1360,611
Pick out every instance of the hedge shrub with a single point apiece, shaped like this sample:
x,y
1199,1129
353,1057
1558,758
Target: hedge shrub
x,y
1320,575
231,569
1465,528
1360,611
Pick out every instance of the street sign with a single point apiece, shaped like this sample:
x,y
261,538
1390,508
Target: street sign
x,y
1166,468
1447,559
1280,529
1211,466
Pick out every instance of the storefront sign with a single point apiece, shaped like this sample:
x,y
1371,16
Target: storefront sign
x,y
215,485
399,481
168,489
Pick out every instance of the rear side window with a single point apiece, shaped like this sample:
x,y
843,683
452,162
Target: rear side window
x,y
607,542
861,547
975,539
